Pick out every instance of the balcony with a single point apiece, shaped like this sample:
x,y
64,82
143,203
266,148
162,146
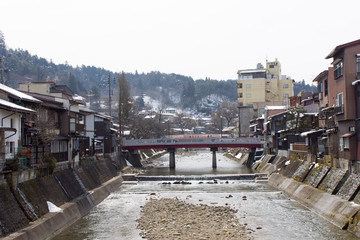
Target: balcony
x,y
77,128
339,109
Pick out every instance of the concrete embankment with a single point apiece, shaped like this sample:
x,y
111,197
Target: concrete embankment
x,y
51,224
23,204
330,192
24,212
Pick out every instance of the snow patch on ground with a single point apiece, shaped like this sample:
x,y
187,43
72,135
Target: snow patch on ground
x,y
53,208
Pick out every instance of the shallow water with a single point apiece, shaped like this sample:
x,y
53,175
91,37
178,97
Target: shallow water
x,y
278,216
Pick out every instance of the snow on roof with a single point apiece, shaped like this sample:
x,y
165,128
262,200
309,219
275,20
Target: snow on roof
x,y
114,129
14,106
304,134
85,109
18,94
228,129
275,107
309,113
78,98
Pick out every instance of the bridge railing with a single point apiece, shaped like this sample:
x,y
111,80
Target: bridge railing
x,y
190,141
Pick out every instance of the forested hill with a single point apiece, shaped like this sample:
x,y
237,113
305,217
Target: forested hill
x,y
170,89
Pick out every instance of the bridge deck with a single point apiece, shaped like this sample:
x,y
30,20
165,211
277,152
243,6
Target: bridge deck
x,y
192,143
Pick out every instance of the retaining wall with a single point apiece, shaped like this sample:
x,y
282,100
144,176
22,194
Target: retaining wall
x,y
330,192
53,223
23,206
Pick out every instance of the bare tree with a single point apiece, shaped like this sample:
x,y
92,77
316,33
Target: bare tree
x,y
183,122
147,128
228,111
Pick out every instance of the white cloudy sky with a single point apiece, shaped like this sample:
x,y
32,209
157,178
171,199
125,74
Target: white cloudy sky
x,y
197,38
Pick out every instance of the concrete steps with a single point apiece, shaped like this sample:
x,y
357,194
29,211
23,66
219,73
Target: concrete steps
x,y
261,178
130,182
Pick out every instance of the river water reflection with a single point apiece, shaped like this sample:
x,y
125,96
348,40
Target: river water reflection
x,y
278,216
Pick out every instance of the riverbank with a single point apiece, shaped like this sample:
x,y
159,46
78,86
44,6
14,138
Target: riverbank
x,y
24,212
331,193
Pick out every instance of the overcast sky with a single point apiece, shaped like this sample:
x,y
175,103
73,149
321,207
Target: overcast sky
x,y
197,38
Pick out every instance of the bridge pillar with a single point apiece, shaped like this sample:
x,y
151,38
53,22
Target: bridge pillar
x,y
214,165
171,152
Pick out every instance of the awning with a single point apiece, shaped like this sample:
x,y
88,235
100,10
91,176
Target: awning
x,y
304,134
60,137
327,108
348,135
355,82
331,130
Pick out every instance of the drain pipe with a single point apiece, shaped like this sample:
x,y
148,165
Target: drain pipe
x,y
2,124
2,120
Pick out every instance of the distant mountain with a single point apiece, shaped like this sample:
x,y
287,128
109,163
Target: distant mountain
x,y
304,87
172,90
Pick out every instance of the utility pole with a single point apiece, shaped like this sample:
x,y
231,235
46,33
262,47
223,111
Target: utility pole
x,y
109,83
90,94
1,71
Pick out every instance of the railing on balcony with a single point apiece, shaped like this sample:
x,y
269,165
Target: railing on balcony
x,y
76,127
339,109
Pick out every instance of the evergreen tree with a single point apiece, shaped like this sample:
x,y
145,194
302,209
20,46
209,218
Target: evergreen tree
x,y
2,44
72,84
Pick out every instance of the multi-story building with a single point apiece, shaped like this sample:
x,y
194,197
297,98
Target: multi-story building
x,y
345,98
264,85
72,122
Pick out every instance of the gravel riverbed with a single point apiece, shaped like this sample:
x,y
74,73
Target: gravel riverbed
x,y
171,218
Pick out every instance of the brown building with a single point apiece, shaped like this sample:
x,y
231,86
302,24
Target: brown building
x,y
345,73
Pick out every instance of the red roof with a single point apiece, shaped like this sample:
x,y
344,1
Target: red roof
x,y
340,47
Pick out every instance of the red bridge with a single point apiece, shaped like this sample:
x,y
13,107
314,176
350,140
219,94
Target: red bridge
x,y
247,142
172,143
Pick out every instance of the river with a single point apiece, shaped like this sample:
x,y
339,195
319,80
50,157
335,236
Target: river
x,y
267,212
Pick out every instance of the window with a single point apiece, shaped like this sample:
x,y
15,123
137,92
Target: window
x,y
248,95
240,85
240,95
271,66
11,123
248,85
286,86
326,87
339,99
10,147
338,69
56,117
346,143
58,146
72,124
341,144
358,63
320,87
286,96
81,119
